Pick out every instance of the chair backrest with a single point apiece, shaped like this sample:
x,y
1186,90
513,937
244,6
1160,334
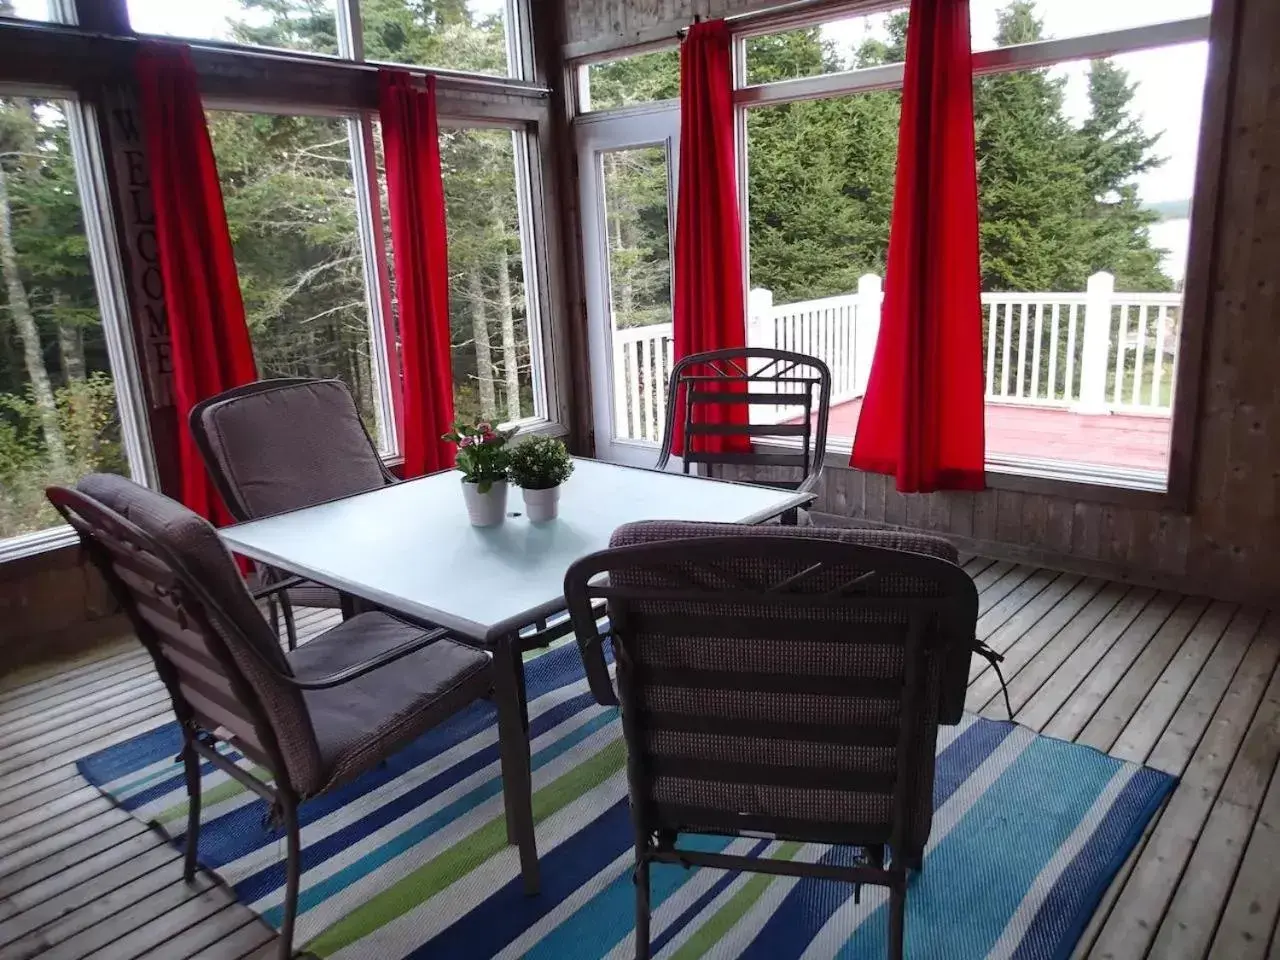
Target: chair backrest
x,y
278,445
212,647
794,388
778,680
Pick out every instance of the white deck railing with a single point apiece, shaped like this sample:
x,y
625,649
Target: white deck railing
x,y
1095,352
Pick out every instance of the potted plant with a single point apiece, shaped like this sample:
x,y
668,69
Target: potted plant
x,y
482,458
539,466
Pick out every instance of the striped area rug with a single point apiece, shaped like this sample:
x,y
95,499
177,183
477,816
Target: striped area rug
x,y
412,860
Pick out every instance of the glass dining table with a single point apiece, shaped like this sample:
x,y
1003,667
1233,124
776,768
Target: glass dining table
x,y
409,548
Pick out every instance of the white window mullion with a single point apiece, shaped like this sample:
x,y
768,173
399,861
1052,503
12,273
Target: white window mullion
x,y
546,405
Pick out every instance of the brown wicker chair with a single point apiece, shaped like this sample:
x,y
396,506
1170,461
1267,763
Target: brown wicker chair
x,y
782,681
279,445
753,376
316,717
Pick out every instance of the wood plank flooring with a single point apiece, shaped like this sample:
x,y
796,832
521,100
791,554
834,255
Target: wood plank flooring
x,y
1184,684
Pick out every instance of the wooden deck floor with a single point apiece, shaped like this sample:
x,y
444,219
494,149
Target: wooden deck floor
x,y
1187,685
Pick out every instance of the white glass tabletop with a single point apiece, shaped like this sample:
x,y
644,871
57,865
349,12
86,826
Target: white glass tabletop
x,y
409,546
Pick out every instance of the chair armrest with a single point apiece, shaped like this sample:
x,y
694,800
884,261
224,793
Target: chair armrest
x,y
583,616
386,658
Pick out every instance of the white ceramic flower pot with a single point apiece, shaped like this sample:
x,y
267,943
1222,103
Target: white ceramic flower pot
x,y
485,509
541,505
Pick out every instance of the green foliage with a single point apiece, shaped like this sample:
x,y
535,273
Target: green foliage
x,y
640,79
87,417
539,463
635,186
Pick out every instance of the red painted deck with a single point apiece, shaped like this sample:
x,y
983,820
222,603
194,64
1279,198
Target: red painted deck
x,y
1115,440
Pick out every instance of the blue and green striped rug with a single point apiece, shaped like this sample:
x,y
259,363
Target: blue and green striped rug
x,y
411,860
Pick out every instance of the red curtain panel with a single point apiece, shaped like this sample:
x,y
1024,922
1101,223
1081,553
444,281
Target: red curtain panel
x,y
419,242
708,307
208,340
922,418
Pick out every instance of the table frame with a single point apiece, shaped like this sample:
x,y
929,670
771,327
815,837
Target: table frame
x,y
507,643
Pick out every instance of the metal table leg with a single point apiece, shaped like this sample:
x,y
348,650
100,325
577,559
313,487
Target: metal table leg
x,y
513,747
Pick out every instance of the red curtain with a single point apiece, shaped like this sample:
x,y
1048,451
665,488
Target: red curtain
x,y
208,340
922,419
708,307
411,145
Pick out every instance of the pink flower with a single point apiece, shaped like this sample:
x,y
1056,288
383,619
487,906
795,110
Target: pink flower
x,y
489,437
466,441
484,427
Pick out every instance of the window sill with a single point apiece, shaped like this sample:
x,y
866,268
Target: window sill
x,y
33,544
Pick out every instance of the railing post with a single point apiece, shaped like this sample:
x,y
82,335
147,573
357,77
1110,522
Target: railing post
x,y
1097,344
759,317
865,330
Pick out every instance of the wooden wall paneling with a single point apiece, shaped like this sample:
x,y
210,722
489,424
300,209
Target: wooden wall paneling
x,y
917,515
1085,530
1232,537
895,503
856,491
1206,239
873,502
1008,525
1059,521
961,513
939,516
52,604
1115,535
984,516
1034,521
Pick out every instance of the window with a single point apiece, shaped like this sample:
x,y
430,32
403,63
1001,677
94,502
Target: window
x,y
306,25
1086,173
471,35
834,46
467,35
1062,19
645,78
820,185
290,198
45,11
59,416
494,331
493,350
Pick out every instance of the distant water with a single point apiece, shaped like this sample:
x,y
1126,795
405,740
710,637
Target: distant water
x,y
1174,237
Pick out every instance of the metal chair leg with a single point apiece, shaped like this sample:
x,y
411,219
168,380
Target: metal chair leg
x,y
293,866
191,767
641,880
290,629
897,918
513,749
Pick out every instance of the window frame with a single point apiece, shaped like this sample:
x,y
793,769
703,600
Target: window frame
x,y
1216,29
579,78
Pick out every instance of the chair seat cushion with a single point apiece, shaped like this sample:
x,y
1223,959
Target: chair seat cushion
x,y
363,721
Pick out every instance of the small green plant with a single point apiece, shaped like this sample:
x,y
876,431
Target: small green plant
x,y
482,452
540,463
